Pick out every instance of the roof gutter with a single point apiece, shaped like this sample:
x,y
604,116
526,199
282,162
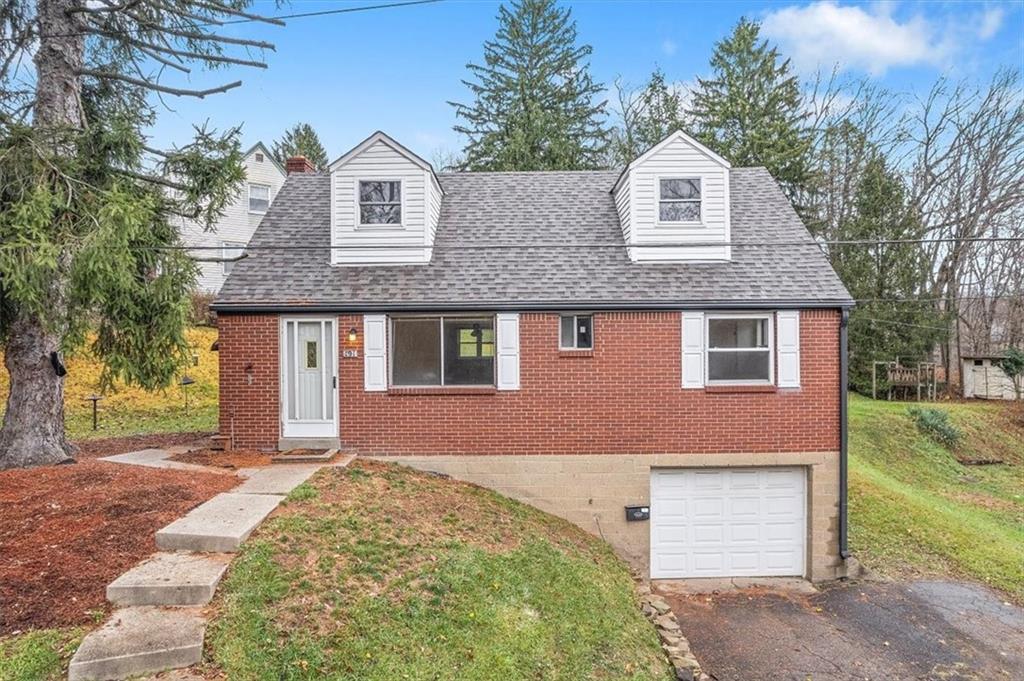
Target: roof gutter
x,y
299,307
844,361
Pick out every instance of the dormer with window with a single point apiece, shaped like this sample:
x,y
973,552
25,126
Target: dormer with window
x,y
385,205
673,203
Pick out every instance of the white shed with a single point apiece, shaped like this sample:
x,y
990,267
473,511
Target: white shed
x,y
984,379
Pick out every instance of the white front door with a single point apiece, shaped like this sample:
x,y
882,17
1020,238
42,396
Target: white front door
x,y
728,522
309,405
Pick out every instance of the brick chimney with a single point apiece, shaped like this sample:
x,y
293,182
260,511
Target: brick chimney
x,y
299,164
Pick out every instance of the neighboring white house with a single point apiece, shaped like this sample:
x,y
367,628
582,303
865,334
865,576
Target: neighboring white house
x,y
983,378
264,177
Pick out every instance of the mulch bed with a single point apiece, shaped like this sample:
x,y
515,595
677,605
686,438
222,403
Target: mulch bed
x,y
237,458
68,531
92,449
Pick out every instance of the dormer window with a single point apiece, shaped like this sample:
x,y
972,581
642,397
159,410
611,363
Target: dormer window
x,y
380,202
679,200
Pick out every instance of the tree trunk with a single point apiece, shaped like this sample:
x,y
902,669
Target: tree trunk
x,y
33,429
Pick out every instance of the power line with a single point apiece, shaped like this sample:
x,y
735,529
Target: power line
x,y
916,326
343,10
561,245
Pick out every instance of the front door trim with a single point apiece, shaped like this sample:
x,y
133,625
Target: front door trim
x,y
310,429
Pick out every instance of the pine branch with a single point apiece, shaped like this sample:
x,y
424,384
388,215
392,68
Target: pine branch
x,y
219,58
219,7
177,92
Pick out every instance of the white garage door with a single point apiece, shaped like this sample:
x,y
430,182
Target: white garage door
x,y
728,522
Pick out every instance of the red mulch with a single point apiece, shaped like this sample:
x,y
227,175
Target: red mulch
x,y
92,449
68,531
236,458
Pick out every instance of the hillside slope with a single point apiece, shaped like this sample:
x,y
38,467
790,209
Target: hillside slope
x,y
916,510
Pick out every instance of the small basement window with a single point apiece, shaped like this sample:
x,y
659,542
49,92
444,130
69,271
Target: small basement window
x,y
259,198
679,200
442,351
577,332
739,349
380,202
229,250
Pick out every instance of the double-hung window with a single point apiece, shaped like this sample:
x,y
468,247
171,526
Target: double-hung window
x,y
229,250
380,202
577,332
679,200
259,197
739,349
442,351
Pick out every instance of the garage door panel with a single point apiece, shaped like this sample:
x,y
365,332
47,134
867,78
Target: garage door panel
x,y
725,522
709,507
744,507
744,533
708,534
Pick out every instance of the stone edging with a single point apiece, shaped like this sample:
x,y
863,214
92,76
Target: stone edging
x,y
675,645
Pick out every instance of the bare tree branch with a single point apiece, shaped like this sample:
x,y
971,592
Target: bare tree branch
x,y
178,92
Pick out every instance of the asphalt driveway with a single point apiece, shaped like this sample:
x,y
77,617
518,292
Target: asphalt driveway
x,y
864,631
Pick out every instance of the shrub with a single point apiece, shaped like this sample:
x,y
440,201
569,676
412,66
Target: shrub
x,y
936,425
201,314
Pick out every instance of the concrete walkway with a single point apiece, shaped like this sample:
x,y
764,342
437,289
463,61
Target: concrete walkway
x,y
159,624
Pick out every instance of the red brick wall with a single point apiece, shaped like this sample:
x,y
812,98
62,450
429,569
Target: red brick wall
x,y
623,397
248,344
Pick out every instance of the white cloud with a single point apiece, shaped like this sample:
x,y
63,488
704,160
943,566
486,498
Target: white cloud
x,y
668,47
991,22
824,33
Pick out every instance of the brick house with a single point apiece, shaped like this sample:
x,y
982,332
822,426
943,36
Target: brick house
x,y
655,354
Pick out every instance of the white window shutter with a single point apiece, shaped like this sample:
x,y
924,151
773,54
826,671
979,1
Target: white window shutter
x,y
507,324
375,352
693,349
788,322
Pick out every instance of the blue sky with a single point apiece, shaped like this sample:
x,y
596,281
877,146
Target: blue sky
x,y
395,69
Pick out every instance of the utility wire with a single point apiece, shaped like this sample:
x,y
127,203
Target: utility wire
x,y
561,245
343,10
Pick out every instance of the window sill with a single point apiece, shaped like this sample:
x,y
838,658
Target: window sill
x,y
740,389
444,390
575,353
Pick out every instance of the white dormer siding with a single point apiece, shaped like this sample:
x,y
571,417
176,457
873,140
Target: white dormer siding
x,y
379,158
637,197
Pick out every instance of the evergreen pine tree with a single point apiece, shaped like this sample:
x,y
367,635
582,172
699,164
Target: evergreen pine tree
x,y
301,140
534,100
750,110
887,278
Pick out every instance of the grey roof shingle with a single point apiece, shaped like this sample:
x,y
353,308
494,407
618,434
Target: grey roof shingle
x,y
571,208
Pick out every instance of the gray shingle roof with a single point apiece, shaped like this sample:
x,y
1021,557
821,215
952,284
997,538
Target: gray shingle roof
x,y
571,208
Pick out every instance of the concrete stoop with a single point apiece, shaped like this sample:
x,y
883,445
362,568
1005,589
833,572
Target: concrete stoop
x,y
170,579
140,640
221,524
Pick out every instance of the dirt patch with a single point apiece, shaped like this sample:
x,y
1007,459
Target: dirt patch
x,y
238,458
109,446
68,531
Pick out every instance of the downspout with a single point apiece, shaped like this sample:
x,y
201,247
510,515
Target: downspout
x,y
844,551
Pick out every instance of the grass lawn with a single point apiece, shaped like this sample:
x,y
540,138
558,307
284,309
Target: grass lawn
x,y
915,510
379,572
127,410
40,655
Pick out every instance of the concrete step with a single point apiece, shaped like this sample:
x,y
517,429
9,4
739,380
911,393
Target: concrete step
x,y
221,524
170,579
307,456
273,480
141,640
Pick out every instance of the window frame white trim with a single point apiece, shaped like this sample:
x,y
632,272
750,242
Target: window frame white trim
x,y
225,265
678,224
770,316
440,317
380,226
575,335
248,203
